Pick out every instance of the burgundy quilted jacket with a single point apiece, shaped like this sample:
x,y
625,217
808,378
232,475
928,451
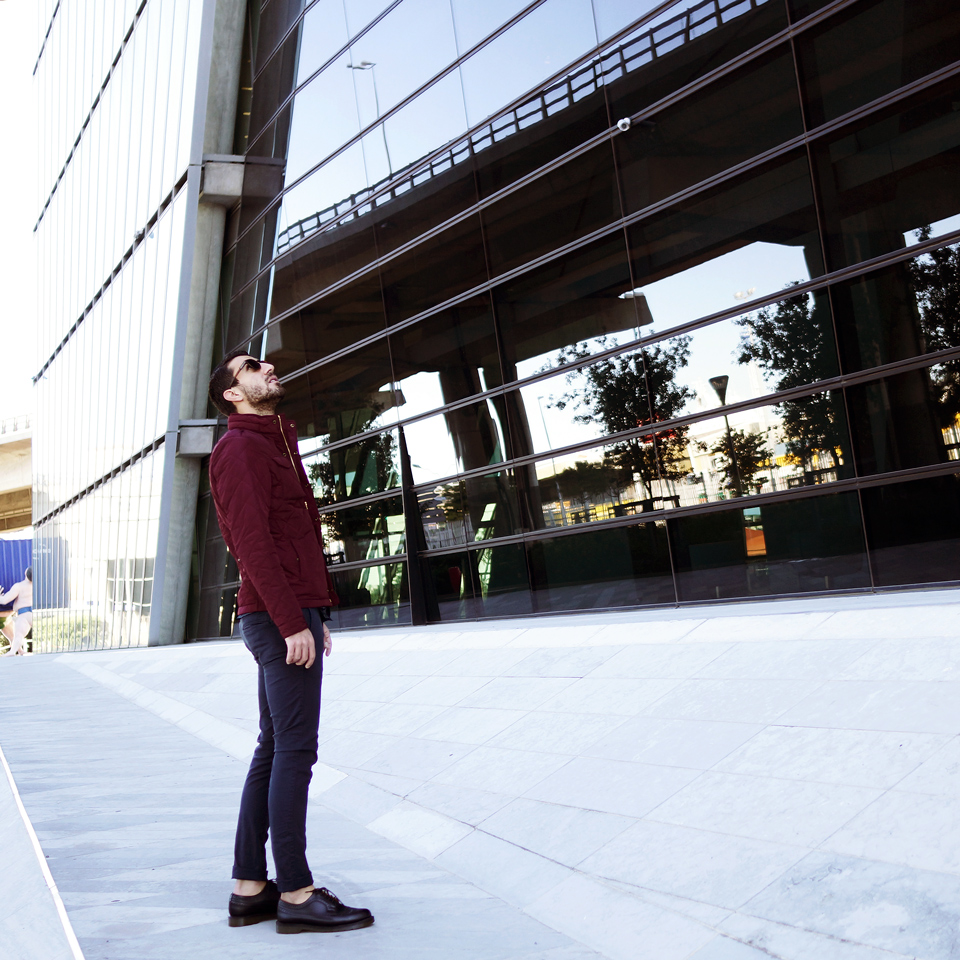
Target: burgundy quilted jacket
x,y
269,520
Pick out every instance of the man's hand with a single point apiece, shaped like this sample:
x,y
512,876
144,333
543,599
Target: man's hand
x,y
301,649
327,642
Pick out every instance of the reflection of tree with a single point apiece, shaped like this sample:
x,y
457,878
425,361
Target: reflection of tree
x,y
619,394
792,343
363,468
586,481
936,280
750,456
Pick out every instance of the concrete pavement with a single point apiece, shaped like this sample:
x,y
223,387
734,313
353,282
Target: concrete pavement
x,y
719,783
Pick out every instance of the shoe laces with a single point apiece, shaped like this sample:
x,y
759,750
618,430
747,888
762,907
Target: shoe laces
x,y
330,895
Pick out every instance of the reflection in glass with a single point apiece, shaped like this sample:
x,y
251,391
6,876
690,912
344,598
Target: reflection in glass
x,y
359,470
371,596
540,45
325,115
368,532
558,208
902,311
466,511
575,299
406,48
870,49
603,568
907,420
910,545
767,449
447,357
730,121
451,584
772,205
868,205
329,324
435,271
322,34
798,546
462,439
353,395
685,42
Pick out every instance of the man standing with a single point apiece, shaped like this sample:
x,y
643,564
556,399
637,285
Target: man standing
x,y
271,525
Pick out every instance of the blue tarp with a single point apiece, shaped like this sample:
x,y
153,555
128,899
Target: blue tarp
x,y
15,557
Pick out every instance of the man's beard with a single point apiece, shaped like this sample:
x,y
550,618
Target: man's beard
x,y
266,397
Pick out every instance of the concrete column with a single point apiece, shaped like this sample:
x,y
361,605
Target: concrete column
x,y
182,481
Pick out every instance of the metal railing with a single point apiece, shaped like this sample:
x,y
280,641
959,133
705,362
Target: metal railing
x,y
15,424
588,79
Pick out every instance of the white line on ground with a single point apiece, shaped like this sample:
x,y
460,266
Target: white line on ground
x,y
42,860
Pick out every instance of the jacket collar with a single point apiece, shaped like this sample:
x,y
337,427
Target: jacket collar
x,y
250,421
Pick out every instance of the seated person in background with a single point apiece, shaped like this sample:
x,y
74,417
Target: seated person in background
x,y
21,594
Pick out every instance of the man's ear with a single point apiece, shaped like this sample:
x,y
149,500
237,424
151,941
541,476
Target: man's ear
x,y
233,395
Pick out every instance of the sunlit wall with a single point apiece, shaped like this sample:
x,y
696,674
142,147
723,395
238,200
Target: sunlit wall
x,y
116,85
588,303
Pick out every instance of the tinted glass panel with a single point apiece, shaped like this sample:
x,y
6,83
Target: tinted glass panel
x,y
911,545
890,174
909,420
605,568
371,596
359,470
730,121
322,34
800,546
462,439
559,208
794,444
366,532
785,345
571,300
680,46
870,49
907,309
501,578
218,609
465,511
446,357
332,323
349,396
435,271
772,205
540,45
451,584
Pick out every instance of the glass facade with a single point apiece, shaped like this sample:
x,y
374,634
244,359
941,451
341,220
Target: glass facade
x,y
586,303
117,85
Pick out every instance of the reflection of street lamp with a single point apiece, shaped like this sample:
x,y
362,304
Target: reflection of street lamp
x,y
556,482
720,385
368,65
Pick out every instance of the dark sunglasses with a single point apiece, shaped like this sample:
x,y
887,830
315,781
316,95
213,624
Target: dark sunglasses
x,y
248,364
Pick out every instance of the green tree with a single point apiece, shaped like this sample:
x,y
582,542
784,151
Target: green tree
x,y
792,343
750,456
588,481
936,282
629,391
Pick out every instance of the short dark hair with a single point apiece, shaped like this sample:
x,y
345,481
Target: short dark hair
x,y
222,379
29,573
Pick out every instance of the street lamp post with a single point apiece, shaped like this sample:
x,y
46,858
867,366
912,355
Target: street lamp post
x,y
719,384
369,65
556,482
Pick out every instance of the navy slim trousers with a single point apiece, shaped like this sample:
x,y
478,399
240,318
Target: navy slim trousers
x,y
274,799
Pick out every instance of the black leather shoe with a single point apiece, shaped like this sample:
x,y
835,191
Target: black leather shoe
x,y
261,906
321,912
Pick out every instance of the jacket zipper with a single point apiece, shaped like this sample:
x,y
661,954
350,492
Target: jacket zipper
x,y
306,506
